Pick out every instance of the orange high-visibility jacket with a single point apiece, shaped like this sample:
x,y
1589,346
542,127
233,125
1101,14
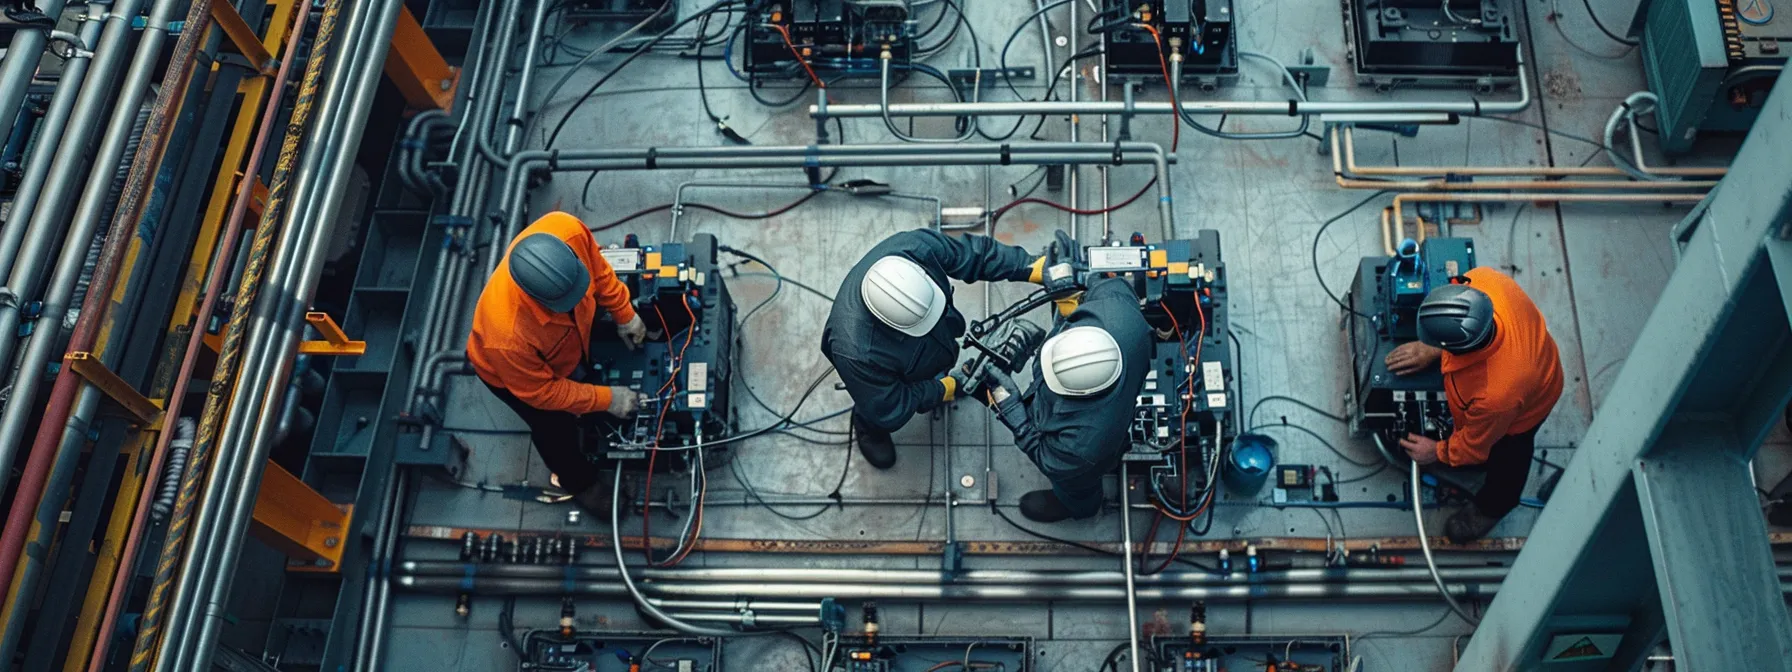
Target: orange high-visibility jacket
x,y
522,347
1507,387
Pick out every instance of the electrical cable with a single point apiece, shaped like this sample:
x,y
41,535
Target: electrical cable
x,y
1002,59
720,211
1321,233
1328,445
1279,397
1418,516
1601,26
645,46
1092,549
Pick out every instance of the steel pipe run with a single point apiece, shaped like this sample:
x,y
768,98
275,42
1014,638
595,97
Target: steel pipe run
x,y
1292,108
525,164
1109,578
23,54
165,605
38,214
946,593
1468,197
1350,167
248,432
43,341
221,255
52,127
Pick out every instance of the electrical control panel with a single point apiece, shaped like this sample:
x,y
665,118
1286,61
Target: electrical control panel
x,y
1711,63
786,39
1201,30
1249,652
1385,301
620,652
923,653
683,370
1188,393
1427,42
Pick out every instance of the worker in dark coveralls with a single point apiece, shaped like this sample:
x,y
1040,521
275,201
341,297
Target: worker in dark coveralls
x,y
893,331
1074,426
1502,376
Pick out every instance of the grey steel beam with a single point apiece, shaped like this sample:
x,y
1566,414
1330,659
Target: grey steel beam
x,y
1709,546
1669,376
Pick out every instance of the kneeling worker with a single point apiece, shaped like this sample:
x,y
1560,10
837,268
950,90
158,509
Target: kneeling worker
x,y
1502,376
531,338
1075,428
893,332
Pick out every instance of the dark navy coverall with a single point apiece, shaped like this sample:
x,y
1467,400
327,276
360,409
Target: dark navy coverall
x,y
1076,440
890,375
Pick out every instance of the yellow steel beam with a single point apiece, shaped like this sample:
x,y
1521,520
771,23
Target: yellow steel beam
x,y
294,519
89,366
242,37
254,95
417,69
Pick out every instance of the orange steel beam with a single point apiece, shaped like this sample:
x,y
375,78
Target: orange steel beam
x,y
297,521
335,342
419,71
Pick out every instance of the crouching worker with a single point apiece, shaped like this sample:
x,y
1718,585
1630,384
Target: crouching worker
x,y
893,331
1074,427
531,340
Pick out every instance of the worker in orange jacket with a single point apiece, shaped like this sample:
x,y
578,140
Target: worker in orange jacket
x,y
531,339
1502,376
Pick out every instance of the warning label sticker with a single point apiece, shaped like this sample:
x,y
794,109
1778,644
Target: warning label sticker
x,y
1581,646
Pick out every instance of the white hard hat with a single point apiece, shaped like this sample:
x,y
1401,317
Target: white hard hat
x,y
899,292
1080,361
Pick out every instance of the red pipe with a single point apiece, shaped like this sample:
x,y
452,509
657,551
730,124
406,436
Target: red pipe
x,y
220,262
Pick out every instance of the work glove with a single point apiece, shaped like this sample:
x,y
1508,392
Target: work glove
x,y
1023,340
1006,398
623,402
633,332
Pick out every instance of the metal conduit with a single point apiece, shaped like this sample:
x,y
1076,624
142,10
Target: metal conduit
x,y
279,316
955,593
1291,108
43,341
151,643
23,55
967,577
42,227
51,128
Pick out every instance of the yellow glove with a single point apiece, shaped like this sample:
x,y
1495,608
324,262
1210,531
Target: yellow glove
x,y
951,384
1037,277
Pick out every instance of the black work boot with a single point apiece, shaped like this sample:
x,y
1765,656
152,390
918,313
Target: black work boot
x,y
16,16
1469,524
1042,506
875,444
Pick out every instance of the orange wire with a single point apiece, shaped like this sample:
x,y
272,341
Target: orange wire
x,y
785,33
1182,462
703,494
1175,107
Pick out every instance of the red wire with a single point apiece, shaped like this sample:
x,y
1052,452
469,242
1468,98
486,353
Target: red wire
x,y
1175,108
785,32
659,426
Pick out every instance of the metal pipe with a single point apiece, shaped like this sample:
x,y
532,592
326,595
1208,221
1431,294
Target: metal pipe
x,y
384,542
1476,197
42,342
176,399
154,642
1073,121
506,31
51,127
1291,107
628,582
525,78
1108,578
1351,166
23,55
42,223
749,621
951,593
1344,179
1132,591
249,432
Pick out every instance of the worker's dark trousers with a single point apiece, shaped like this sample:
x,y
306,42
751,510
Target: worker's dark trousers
x,y
560,440
1508,465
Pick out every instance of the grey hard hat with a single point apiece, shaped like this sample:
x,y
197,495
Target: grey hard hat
x,y
550,272
1457,318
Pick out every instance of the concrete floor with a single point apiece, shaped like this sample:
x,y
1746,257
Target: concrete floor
x,y
1589,267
